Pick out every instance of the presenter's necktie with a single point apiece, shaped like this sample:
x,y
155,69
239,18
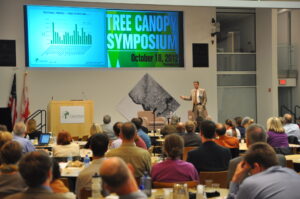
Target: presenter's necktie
x,y
195,97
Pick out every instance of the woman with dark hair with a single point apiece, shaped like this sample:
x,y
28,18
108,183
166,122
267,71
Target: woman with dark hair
x,y
65,147
57,185
231,130
173,169
10,179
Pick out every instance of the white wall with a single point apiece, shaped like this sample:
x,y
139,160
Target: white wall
x,y
266,62
108,86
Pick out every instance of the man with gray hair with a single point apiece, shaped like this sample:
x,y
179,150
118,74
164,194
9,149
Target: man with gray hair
x,y
191,138
118,179
19,134
254,133
108,128
290,128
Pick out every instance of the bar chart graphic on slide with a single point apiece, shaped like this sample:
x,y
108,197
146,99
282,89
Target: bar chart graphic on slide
x,y
66,37
76,37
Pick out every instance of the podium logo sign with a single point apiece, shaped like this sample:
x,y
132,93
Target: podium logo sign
x,y
72,114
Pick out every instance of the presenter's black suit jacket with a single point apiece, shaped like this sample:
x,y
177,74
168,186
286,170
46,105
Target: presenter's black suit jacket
x,y
210,157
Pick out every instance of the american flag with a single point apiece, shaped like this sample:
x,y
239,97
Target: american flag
x,y
25,100
12,104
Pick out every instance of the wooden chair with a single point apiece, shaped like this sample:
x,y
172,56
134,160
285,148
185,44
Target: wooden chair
x,y
65,181
219,177
290,164
186,150
75,138
85,138
85,194
190,184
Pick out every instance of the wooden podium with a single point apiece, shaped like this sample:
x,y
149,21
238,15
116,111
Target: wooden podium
x,y
75,117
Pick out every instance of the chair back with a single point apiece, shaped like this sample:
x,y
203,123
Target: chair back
x,y
186,150
85,194
235,152
290,164
219,177
190,184
293,140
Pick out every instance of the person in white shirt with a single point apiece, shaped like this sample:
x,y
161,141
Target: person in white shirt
x,y
290,128
117,130
65,147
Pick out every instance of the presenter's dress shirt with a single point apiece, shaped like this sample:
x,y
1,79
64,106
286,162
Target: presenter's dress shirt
x,y
27,146
274,183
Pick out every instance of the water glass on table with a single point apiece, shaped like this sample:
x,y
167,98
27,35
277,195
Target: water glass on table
x,y
180,191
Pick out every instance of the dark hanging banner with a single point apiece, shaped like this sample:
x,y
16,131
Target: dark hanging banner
x,y
7,52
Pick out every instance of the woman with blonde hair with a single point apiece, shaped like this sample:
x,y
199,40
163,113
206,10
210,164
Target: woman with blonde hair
x,y
277,137
95,128
5,136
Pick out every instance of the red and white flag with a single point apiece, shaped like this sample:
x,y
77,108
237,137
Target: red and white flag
x,y
25,100
12,103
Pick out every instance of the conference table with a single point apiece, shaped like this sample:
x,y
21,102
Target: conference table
x,y
167,194
294,147
295,158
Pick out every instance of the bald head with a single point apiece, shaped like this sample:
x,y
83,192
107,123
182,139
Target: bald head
x,y
20,129
114,172
255,133
180,127
288,118
220,129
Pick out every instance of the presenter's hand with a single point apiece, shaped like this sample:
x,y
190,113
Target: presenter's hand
x,y
182,97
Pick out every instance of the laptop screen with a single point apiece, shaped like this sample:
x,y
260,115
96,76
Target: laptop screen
x,y
44,139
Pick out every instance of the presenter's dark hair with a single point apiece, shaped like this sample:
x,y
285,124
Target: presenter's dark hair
x,y
128,130
99,144
208,129
34,168
117,128
137,122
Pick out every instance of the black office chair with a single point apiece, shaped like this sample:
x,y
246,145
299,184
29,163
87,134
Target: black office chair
x,y
293,140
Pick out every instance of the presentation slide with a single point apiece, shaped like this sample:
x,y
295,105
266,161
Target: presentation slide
x,y
65,36
144,38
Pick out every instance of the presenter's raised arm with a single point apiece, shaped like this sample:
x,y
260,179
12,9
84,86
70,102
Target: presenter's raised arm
x,y
188,98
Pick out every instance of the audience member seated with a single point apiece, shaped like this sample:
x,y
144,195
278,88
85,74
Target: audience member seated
x,y
36,170
5,136
277,137
209,156
65,147
57,185
290,128
117,130
32,132
139,142
10,179
247,121
170,128
143,127
231,130
191,138
95,128
238,124
19,134
225,140
138,124
3,127
99,145
254,133
173,169
118,179
267,180
139,158
107,128
180,129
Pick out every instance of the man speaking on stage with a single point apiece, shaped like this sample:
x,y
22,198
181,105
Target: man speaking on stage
x,y
199,99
